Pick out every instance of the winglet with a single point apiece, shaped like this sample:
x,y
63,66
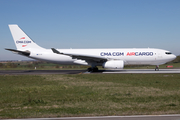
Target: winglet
x,y
55,51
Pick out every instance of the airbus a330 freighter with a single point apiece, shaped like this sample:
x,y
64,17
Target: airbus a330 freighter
x,y
107,58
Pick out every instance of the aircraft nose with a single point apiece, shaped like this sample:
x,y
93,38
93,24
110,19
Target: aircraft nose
x,y
173,56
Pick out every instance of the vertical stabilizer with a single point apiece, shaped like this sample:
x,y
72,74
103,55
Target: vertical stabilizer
x,y
21,40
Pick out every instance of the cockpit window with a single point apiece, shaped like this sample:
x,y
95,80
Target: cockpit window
x,y
168,53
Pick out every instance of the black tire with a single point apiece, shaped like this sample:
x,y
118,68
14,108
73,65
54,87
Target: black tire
x,y
89,69
95,69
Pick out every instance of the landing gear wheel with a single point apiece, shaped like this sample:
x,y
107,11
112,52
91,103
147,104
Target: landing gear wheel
x,y
89,69
95,69
157,68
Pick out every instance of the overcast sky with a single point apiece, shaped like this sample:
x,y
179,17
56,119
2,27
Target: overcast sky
x,y
92,24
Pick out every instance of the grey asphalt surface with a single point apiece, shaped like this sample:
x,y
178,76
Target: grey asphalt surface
x,y
143,117
124,71
39,72
144,71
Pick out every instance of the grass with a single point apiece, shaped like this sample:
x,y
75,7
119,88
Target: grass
x,y
26,96
46,67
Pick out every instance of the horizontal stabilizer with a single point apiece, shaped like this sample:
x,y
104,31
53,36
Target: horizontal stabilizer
x,y
26,53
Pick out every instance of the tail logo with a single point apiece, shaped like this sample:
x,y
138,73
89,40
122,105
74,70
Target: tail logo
x,y
24,45
22,38
23,41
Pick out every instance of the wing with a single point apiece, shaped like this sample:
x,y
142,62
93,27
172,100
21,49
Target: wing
x,y
82,56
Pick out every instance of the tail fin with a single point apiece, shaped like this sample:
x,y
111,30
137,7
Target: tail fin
x,y
21,40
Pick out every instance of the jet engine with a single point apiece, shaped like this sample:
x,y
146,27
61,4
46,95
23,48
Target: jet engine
x,y
114,64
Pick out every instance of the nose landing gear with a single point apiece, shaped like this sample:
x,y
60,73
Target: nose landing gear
x,y
157,68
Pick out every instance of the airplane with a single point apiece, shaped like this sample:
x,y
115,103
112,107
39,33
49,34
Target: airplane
x,y
107,58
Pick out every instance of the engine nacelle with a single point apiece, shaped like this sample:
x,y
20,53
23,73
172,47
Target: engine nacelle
x,y
114,64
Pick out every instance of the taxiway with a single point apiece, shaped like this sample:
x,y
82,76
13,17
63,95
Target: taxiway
x,y
124,71
136,117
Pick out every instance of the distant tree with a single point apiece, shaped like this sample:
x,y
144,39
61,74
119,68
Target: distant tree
x,y
1,65
30,66
177,60
42,66
35,63
57,66
10,65
13,65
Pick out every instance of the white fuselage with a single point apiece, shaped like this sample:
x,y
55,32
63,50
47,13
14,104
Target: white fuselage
x,y
145,56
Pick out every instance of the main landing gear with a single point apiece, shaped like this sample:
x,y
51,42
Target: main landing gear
x,y
157,68
92,69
